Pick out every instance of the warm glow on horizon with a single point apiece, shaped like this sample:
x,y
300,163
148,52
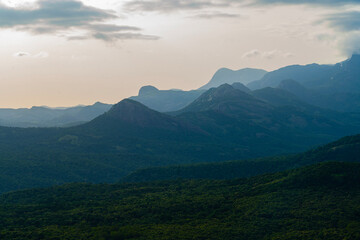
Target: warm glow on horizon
x,y
65,53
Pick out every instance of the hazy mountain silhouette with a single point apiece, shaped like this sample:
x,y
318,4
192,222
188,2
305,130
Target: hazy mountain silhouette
x,y
165,100
51,117
225,75
241,87
334,87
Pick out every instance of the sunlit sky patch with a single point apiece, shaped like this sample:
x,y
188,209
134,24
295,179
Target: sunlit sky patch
x,y
69,52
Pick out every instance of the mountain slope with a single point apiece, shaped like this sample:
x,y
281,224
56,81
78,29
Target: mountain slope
x,y
223,124
228,76
341,77
338,101
316,202
307,75
245,119
344,150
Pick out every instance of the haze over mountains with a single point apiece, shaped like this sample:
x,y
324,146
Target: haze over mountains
x,y
179,155
334,87
51,117
223,123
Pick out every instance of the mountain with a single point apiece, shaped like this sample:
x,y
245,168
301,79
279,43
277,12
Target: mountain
x,y
245,119
223,124
51,117
241,87
227,100
228,76
315,202
342,77
278,97
307,75
165,100
346,149
338,101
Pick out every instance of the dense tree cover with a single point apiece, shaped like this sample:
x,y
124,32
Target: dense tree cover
x,y
346,149
316,202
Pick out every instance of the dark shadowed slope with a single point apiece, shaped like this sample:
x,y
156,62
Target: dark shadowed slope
x,y
344,150
339,101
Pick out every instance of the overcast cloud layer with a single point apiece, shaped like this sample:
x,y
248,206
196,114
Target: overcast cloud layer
x,y
54,16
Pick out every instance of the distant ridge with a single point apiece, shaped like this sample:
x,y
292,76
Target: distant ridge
x,y
225,75
165,100
51,117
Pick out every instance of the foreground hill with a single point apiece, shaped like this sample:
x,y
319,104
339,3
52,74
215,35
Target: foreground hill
x,y
316,202
344,150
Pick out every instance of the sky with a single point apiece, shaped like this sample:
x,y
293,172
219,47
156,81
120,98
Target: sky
x,y
70,52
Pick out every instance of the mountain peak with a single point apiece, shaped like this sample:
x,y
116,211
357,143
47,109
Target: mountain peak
x,y
224,91
225,75
127,108
147,90
226,99
129,114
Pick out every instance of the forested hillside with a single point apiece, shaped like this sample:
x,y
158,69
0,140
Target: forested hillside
x,y
316,202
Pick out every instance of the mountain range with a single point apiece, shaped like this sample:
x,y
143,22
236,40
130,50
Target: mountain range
x,y
51,117
235,161
224,123
335,87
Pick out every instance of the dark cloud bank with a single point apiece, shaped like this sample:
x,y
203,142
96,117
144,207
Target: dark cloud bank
x,y
53,16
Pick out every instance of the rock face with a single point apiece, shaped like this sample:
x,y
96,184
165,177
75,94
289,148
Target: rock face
x,y
148,90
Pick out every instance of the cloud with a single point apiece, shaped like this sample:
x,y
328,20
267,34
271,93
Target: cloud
x,y
350,44
310,2
171,5
41,55
21,54
344,21
29,55
212,15
270,54
267,54
55,16
178,5
251,54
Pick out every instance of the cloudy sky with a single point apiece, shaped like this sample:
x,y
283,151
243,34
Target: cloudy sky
x,y
69,52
